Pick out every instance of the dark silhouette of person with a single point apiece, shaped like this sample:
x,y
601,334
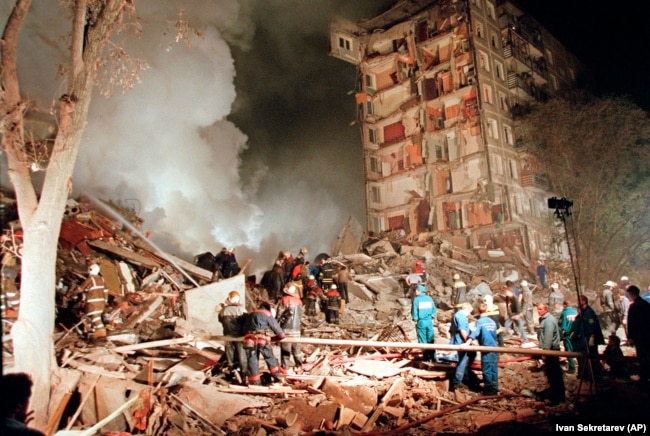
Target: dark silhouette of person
x,y
17,391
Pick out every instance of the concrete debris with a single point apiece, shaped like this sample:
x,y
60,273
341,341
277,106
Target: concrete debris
x,y
162,368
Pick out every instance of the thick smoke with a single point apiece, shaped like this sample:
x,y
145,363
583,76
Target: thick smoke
x,y
230,138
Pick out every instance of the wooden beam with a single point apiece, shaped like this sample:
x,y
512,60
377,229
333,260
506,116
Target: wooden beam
x,y
411,345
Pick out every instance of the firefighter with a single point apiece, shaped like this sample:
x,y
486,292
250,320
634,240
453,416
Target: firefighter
x,y
333,305
95,296
258,341
289,314
231,313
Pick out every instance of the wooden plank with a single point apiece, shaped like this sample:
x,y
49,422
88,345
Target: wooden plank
x,y
129,255
397,384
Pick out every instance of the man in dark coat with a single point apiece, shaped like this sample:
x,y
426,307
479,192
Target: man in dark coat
x,y
586,336
638,328
549,339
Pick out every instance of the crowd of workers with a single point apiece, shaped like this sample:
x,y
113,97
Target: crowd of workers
x,y
297,289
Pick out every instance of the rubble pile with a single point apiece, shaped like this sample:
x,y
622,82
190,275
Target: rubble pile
x,y
161,369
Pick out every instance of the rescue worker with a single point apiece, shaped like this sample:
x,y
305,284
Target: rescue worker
x,y
549,339
326,277
96,296
423,313
231,316
485,332
569,315
541,273
229,265
495,315
342,279
289,313
332,305
258,341
459,335
412,281
514,314
586,336
10,293
608,316
313,293
459,289
419,269
300,257
556,301
527,306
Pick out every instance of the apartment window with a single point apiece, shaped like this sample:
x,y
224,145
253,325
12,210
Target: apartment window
x,y
370,108
487,94
512,168
572,74
372,136
377,224
479,30
375,164
507,132
494,40
442,152
517,202
370,83
498,66
345,44
503,102
549,56
492,128
497,164
490,10
484,60
553,80
375,194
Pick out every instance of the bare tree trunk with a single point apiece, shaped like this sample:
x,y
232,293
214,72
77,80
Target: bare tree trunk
x,y
41,217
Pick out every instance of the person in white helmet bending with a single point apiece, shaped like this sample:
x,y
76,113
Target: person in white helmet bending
x,y
231,315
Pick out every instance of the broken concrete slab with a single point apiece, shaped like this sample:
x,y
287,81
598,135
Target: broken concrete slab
x,y
201,301
215,405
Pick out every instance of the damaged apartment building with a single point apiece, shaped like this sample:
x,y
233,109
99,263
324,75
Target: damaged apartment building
x,y
439,83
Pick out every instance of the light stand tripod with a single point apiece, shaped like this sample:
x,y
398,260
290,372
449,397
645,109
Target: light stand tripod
x,y
562,208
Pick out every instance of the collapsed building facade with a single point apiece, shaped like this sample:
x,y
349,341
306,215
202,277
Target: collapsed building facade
x,y
440,84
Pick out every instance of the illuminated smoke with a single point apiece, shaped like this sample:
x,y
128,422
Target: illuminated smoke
x,y
169,147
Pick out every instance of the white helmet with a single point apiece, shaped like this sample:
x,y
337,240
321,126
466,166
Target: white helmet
x,y
291,290
456,276
555,286
311,277
233,297
524,283
333,287
624,279
93,269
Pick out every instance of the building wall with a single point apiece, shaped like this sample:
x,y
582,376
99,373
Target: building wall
x,y
437,91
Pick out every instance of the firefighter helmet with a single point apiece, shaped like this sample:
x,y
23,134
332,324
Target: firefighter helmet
x,y
93,269
233,297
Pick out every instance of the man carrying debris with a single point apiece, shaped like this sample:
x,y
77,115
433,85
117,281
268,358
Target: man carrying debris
x,y
486,334
289,313
230,316
549,339
96,296
332,305
257,341
459,335
423,313
514,314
